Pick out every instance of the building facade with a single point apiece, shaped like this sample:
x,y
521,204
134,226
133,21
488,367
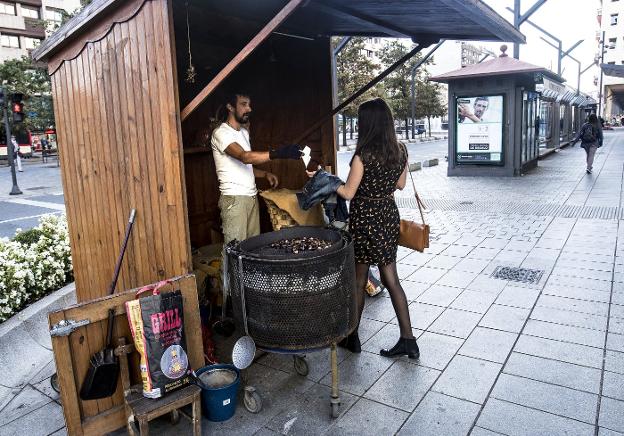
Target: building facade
x,y
25,23
611,23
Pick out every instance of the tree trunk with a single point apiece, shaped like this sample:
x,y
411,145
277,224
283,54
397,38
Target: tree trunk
x,y
344,129
406,130
351,121
429,122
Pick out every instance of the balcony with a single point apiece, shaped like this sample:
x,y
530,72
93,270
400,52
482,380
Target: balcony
x,y
34,28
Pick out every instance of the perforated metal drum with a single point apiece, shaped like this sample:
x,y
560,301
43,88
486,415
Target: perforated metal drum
x,y
293,301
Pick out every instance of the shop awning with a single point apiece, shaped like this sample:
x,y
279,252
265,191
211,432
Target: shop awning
x,y
613,70
421,20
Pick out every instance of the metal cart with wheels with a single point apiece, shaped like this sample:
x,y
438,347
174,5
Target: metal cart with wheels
x,y
292,303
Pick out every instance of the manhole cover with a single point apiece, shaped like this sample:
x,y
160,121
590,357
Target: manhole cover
x,y
515,274
36,188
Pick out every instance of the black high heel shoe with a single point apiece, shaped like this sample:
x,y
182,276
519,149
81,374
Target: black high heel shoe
x,y
352,343
404,347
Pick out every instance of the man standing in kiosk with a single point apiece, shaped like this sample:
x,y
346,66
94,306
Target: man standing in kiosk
x,y
234,161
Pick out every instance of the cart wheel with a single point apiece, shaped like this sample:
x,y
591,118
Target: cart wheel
x,y
55,383
335,410
301,365
174,417
253,401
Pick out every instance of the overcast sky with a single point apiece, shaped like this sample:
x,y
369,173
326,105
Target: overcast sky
x,y
568,20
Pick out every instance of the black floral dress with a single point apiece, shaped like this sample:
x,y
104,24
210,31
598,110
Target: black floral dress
x,y
374,220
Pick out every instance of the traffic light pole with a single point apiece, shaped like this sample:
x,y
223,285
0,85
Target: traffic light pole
x,y
10,152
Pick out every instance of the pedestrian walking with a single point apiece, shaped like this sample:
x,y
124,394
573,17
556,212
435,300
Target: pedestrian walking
x,y
591,137
16,154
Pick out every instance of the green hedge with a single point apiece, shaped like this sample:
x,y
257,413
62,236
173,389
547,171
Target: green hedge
x,y
33,264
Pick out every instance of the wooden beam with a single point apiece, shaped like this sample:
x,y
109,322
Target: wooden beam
x,y
241,56
358,93
346,13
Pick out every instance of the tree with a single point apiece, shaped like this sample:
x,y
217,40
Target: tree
x,y
25,77
429,101
354,71
398,84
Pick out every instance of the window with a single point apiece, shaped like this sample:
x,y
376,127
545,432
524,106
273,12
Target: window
x,y
9,41
30,12
612,42
369,53
614,19
7,8
55,15
611,63
31,43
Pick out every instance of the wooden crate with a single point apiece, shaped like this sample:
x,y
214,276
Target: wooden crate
x,y
72,354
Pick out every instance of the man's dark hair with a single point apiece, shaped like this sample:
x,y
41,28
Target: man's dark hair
x,y
486,99
229,98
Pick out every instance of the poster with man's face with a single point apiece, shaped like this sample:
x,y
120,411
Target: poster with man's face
x,y
479,129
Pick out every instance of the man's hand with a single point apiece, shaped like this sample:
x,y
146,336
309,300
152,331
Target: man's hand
x,y
291,151
272,179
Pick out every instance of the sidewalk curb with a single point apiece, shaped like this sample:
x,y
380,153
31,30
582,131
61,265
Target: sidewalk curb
x,y
27,334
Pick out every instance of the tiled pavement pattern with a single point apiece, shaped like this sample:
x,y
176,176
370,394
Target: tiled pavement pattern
x,y
497,357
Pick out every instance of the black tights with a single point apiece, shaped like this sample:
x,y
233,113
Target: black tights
x,y
390,280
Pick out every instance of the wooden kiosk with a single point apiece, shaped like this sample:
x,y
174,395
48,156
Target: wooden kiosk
x,y
132,127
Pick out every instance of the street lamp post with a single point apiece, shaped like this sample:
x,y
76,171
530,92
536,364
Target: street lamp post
x,y
15,190
580,73
602,52
521,18
559,46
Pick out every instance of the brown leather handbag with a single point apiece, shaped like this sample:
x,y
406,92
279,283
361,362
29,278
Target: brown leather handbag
x,y
412,234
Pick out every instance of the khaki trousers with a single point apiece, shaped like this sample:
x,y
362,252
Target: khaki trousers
x,y
239,216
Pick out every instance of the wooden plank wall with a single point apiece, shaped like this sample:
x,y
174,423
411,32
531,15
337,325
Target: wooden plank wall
x,y
117,118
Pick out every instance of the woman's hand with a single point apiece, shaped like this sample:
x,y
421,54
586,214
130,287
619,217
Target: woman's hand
x,y
313,173
272,179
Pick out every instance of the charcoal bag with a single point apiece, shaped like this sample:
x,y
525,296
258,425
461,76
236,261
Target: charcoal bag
x,y
157,325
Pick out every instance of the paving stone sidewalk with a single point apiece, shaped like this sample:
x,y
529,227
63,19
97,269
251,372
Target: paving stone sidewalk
x,y
498,356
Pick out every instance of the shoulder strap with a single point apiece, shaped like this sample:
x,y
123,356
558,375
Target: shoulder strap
x,y
419,202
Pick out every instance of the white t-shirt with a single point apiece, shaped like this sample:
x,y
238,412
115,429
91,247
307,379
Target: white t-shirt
x,y
235,177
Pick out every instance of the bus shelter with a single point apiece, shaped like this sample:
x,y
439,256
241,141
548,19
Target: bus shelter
x,y
136,84
494,116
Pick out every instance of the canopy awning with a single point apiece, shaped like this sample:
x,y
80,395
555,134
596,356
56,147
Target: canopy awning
x,y
503,65
613,70
424,21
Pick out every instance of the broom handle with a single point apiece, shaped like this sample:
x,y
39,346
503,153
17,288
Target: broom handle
x,y
111,290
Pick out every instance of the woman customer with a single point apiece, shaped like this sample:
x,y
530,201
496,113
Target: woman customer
x,y
591,137
378,168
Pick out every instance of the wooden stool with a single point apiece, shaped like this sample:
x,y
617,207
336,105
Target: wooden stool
x,y
142,410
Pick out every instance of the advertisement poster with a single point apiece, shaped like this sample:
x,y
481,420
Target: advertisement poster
x,y
480,129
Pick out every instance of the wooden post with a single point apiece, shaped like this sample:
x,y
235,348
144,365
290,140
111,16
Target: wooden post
x,y
241,56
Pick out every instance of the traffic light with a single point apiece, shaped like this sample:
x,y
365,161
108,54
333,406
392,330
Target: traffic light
x,y
17,107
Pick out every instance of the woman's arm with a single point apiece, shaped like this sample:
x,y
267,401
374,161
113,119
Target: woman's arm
x,y
403,179
348,190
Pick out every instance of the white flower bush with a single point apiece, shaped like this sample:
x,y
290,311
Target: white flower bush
x,y
34,263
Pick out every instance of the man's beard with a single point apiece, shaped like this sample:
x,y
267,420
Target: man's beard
x,y
243,119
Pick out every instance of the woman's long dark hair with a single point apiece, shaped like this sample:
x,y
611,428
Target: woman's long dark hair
x,y
376,136
593,119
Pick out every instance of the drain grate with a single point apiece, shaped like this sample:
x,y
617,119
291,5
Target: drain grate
x,y
515,274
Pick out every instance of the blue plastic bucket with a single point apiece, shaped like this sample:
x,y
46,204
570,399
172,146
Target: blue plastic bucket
x,y
219,396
